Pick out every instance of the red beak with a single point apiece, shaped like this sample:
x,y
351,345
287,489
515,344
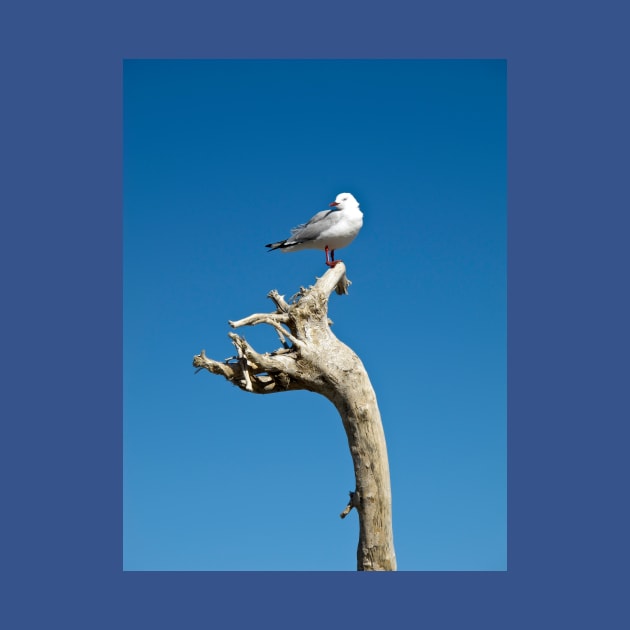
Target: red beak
x,y
334,203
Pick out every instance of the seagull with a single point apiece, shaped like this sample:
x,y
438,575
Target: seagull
x,y
328,230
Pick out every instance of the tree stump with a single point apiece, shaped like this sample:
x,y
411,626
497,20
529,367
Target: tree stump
x,y
312,358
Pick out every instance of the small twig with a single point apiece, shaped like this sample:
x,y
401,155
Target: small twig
x,y
238,342
300,294
260,318
272,320
283,341
353,503
279,301
203,362
280,351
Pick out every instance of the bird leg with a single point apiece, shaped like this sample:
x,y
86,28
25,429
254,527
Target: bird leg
x,y
332,262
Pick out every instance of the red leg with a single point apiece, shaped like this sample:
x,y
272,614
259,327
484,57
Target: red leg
x,y
332,262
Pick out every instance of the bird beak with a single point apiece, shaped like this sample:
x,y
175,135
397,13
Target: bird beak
x,y
334,203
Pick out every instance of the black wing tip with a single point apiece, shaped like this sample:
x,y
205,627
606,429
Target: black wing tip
x,y
279,245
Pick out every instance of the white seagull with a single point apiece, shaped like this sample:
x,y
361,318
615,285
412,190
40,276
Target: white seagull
x,y
328,230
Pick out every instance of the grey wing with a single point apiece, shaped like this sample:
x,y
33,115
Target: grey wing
x,y
313,228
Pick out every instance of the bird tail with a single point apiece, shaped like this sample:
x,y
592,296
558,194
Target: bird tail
x,y
278,245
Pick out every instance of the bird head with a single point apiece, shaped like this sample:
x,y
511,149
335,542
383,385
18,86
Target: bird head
x,y
344,200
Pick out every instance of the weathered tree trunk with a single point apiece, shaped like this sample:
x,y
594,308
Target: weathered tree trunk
x,y
315,360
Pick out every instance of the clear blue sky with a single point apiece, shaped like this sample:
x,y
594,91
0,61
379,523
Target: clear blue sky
x,y
221,157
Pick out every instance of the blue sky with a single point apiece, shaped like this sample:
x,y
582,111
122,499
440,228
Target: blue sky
x,y
221,157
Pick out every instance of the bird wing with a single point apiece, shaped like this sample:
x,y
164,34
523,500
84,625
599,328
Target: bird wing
x,y
314,228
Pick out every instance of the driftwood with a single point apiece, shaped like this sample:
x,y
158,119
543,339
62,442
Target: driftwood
x,y
312,358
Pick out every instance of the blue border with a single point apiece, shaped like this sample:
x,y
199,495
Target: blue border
x,y
61,253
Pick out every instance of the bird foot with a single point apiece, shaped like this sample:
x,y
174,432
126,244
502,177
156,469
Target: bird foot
x,y
332,263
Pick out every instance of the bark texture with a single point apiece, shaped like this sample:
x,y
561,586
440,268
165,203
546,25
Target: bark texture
x,y
312,358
